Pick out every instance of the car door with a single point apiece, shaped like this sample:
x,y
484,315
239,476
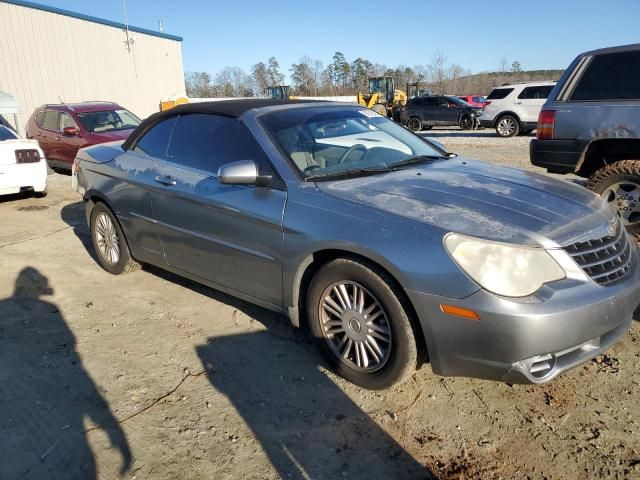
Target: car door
x,y
530,100
446,113
230,235
46,135
130,194
428,111
68,145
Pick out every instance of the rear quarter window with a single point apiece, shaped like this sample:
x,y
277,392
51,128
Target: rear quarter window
x,y
536,93
613,76
51,120
499,93
155,141
40,119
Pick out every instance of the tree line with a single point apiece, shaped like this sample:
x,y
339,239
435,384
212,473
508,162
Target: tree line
x,y
310,77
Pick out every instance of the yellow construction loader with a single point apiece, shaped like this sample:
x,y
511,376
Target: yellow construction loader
x,y
278,92
383,96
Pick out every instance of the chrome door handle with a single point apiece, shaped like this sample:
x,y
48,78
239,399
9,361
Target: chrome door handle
x,y
165,180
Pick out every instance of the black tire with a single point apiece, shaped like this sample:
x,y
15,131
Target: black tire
x,y
414,124
511,130
466,122
626,172
401,359
40,194
125,262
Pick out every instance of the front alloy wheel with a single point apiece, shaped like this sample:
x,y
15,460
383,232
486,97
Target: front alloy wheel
x,y
355,326
109,243
360,325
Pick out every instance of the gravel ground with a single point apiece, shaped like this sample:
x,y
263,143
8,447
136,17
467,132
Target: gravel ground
x,y
148,375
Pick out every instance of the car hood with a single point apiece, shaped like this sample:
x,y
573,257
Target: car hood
x,y
111,136
483,200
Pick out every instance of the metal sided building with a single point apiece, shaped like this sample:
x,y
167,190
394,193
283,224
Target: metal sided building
x,y
49,55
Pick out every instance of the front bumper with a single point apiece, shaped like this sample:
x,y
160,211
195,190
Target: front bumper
x,y
485,123
530,340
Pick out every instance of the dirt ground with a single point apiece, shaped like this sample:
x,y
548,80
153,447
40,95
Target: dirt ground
x,y
148,375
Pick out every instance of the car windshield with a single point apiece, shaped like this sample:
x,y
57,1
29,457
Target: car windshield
x,y
108,120
6,134
330,141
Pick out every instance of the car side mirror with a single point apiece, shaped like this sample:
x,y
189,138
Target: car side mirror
x,y
242,172
71,131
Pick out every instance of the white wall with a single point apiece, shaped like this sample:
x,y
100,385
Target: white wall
x,y
48,58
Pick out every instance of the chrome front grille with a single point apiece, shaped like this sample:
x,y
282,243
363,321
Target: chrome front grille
x,y
607,259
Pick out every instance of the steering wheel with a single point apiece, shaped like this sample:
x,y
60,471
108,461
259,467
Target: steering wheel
x,y
310,168
354,148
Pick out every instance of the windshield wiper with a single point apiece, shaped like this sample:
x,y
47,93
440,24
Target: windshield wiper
x,y
392,167
415,160
345,173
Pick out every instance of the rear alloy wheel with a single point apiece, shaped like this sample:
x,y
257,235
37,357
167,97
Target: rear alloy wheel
x,y
507,126
109,242
466,122
360,326
414,124
619,185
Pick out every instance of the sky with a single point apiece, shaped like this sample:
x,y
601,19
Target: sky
x,y
540,34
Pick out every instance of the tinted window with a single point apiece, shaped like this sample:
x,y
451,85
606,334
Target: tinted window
x,y
615,76
50,121
429,102
155,141
6,134
499,93
532,93
66,121
40,118
207,142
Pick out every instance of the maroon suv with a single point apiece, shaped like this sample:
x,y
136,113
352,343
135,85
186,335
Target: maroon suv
x,y
61,130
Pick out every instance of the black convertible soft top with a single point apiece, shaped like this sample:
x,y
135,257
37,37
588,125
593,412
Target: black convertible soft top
x,y
227,108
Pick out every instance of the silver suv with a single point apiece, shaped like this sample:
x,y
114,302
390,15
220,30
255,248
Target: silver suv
x,y
590,126
513,109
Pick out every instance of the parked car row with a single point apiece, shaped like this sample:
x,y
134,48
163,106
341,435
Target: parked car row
x,y
512,109
55,133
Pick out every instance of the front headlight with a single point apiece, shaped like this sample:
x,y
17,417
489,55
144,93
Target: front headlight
x,y
503,269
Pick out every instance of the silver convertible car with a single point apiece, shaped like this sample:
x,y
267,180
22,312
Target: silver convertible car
x,y
394,252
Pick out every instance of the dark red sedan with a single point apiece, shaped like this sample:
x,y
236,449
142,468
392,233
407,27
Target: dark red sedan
x,y
63,129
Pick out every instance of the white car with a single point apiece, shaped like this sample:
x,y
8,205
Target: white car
x,y
23,166
513,109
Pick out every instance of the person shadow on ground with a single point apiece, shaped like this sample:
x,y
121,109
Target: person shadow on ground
x,y
307,426
45,393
